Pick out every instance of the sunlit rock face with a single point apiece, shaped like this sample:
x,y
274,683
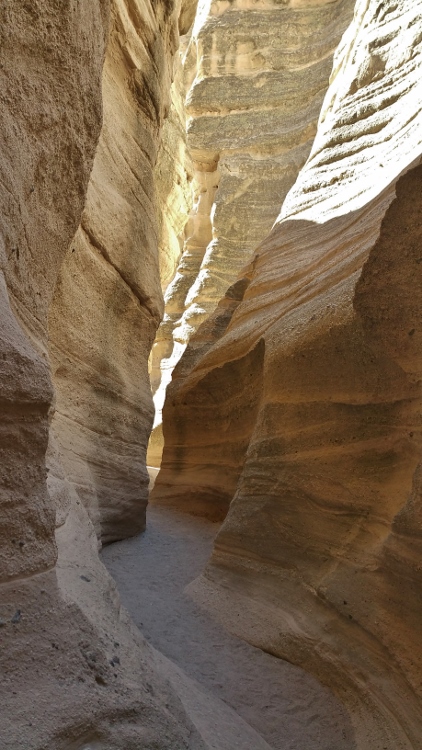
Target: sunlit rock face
x,y
299,400
174,176
108,301
255,76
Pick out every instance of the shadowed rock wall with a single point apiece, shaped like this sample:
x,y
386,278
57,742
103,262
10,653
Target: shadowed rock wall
x,y
50,121
74,671
317,560
108,301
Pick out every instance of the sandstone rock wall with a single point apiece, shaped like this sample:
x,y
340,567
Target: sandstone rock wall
x,y
50,117
74,671
108,301
176,186
174,176
255,78
300,399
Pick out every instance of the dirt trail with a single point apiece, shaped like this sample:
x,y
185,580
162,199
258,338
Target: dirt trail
x,y
286,706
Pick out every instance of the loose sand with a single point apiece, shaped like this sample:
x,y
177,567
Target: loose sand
x,y
282,703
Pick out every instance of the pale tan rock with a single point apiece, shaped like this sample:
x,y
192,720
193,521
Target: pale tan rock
x,y
173,175
108,301
74,672
175,190
300,399
256,76
50,117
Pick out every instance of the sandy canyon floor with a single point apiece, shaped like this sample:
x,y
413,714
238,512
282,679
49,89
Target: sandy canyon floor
x,y
285,706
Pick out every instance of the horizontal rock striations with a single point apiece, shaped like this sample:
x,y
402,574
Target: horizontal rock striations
x,y
256,78
108,301
300,398
50,117
74,672
173,175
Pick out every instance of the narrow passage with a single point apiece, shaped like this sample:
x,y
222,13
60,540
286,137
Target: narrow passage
x,y
285,705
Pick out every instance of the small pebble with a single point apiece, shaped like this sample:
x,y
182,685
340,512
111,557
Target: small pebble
x,y
16,617
85,578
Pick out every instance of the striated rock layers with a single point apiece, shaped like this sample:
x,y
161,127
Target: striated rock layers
x,y
174,175
256,76
108,300
74,672
296,410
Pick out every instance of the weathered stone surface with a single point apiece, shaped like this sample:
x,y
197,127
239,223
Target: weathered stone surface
x,y
256,78
108,302
301,397
173,175
74,671
50,117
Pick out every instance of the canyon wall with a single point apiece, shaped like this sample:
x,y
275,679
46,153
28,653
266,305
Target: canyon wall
x,y
255,77
174,178
296,409
74,672
108,301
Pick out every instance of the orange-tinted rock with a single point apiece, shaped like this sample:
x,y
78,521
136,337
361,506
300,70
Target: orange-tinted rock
x,y
317,558
256,76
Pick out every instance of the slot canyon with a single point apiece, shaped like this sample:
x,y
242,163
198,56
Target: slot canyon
x,y
211,375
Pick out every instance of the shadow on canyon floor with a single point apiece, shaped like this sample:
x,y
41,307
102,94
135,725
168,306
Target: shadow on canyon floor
x,y
284,704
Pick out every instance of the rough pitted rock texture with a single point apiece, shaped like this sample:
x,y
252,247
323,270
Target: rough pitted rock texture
x,y
256,75
74,672
50,117
108,301
300,398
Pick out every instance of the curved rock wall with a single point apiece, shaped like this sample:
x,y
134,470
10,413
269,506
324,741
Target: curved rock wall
x,y
174,176
108,301
317,560
74,672
50,117
256,78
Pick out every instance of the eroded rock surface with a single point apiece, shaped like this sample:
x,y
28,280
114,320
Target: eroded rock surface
x,y
269,703
256,76
74,672
174,176
108,301
295,409
300,399
50,120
